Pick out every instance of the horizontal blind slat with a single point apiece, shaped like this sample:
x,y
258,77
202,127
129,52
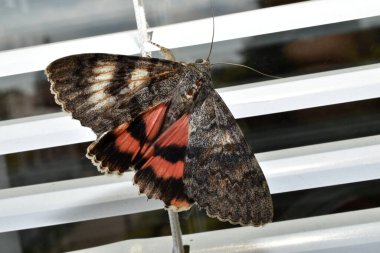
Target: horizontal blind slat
x,y
105,196
232,26
357,231
287,94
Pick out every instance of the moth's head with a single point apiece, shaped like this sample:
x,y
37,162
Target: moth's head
x,y
201,61
202,65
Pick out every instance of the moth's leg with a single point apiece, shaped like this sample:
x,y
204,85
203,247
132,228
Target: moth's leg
x,y
166,52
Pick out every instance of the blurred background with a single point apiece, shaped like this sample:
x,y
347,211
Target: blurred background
x,y
347,44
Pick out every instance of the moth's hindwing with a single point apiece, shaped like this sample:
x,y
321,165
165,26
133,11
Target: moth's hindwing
x,y
158,158
119,149
221,173
159,173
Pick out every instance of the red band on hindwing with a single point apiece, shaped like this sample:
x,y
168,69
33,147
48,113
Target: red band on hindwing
x,y
127,141
160,171
181,204
157,156
118,150
153,122
166,156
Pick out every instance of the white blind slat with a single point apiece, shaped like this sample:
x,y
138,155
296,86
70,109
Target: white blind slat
x,y
256,99
104,196
357,231
233,26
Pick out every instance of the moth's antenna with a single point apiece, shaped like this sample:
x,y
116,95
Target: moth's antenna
x,y
213,30
244,66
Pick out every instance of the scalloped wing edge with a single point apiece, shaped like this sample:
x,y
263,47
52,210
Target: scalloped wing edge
x,y
54,92
104,169
98,163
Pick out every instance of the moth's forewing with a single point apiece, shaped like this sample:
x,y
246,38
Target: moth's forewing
x,y
221,173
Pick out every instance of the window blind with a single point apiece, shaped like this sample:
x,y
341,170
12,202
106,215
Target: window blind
x,y
304,167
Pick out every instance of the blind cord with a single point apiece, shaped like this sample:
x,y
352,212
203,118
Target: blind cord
x,y
142,27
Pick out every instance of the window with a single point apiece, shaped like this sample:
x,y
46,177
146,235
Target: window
x,y
315,131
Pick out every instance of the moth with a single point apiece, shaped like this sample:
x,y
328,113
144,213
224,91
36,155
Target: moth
x,y
164,120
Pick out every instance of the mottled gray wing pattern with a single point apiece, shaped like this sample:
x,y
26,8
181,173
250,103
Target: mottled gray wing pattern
x,y
104,91
221,173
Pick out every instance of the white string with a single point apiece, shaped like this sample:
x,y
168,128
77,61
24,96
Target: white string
x,y
176,232
142,27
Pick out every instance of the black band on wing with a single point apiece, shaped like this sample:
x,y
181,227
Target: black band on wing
x,y
171,153
149,184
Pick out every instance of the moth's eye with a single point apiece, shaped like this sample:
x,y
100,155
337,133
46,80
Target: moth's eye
x,y
190,92
198,60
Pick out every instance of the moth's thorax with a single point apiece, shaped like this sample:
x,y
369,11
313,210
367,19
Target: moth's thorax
x,y
203,66
193,77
